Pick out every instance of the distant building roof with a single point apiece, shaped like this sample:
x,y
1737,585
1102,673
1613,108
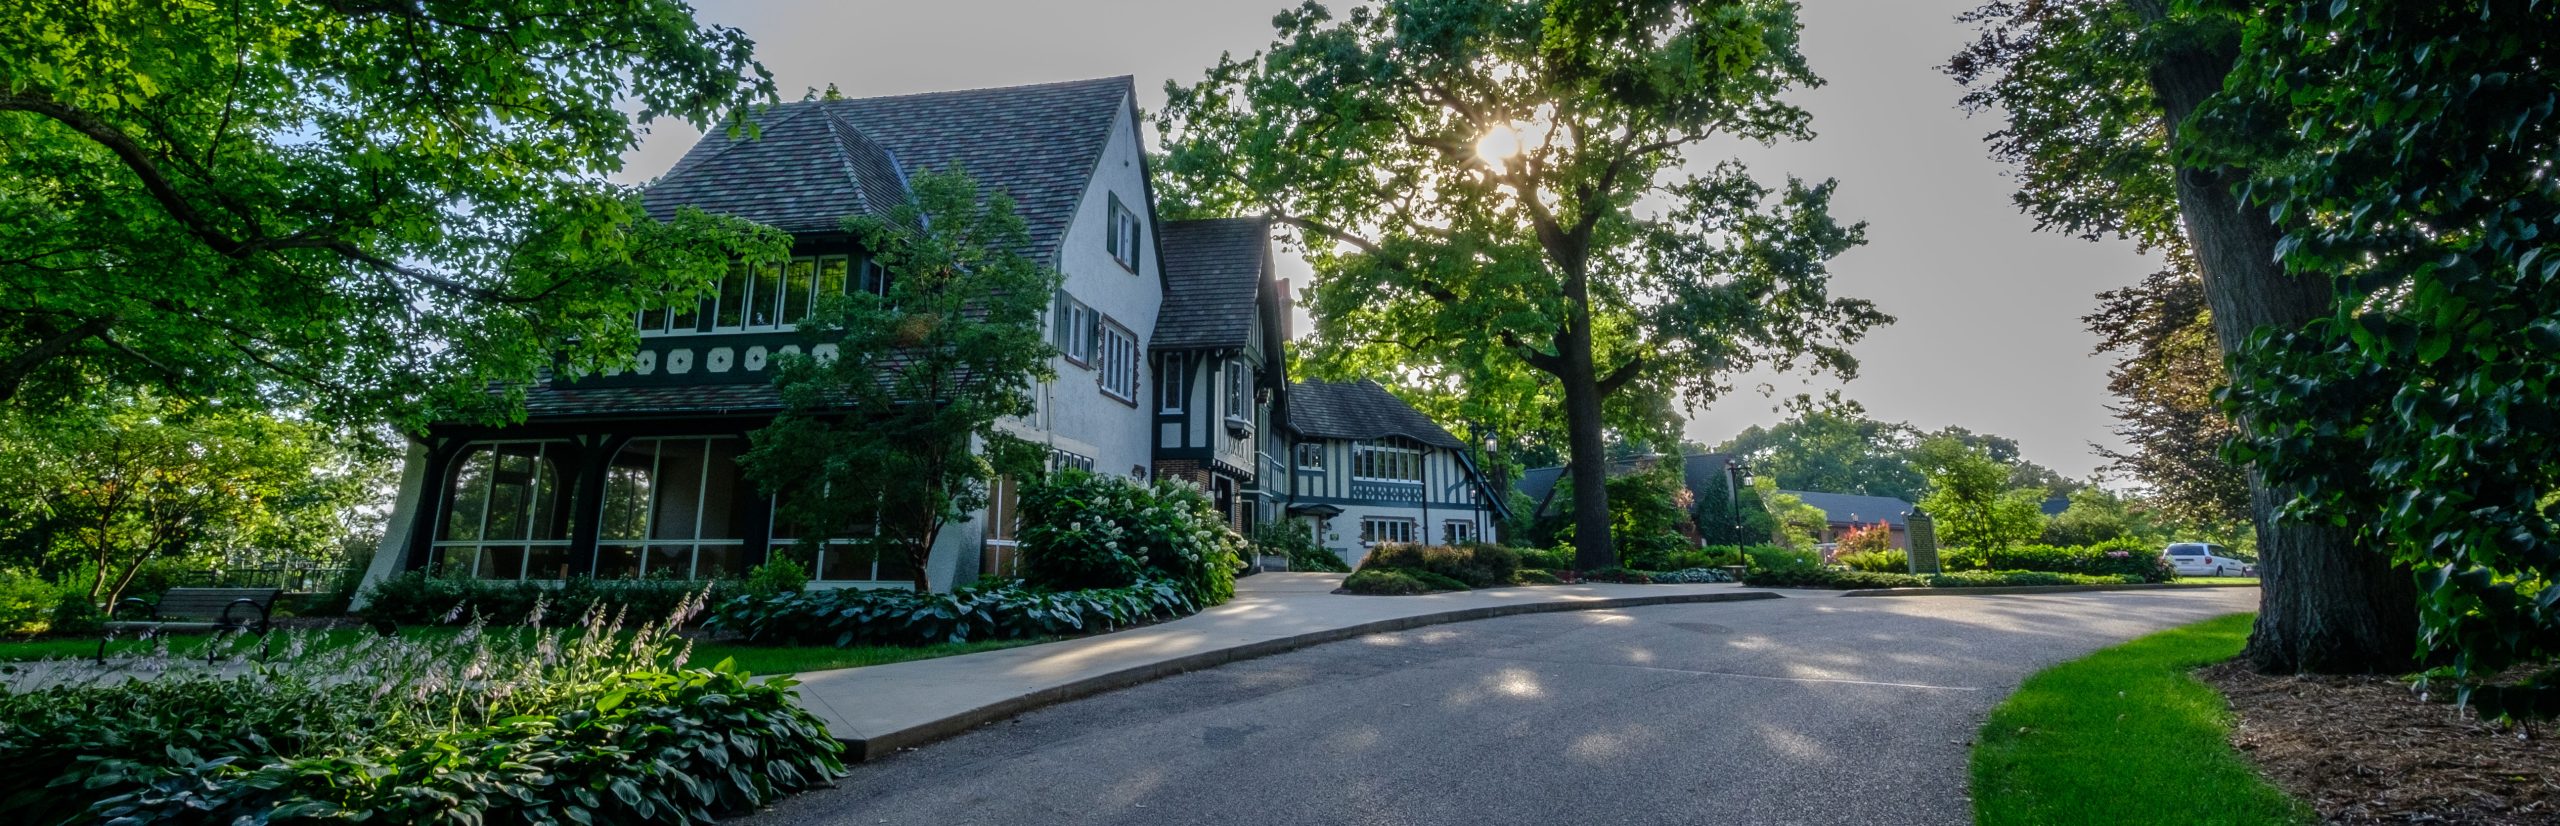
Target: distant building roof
x,y
1213,272
1360,410
2055,505
1701,473
1038,144
1850,507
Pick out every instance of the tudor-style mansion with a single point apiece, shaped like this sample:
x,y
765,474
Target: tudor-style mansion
x,y
1170,337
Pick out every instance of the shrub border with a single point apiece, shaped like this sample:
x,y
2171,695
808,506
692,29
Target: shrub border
x,y
1983,590
874,747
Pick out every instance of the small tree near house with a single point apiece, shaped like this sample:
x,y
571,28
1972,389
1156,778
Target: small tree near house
x,y
896,436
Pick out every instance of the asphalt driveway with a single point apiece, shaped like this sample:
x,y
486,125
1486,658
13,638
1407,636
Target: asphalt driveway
x,y
1808,710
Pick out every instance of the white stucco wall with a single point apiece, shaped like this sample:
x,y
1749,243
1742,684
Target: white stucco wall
x,y
1081,418
389,557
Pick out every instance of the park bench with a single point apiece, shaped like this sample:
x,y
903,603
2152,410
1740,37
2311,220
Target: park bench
x,y
193,609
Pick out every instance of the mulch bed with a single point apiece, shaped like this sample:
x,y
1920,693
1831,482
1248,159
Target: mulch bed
x,y
2367,750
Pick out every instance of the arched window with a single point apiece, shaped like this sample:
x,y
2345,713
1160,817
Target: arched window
x,y
506,512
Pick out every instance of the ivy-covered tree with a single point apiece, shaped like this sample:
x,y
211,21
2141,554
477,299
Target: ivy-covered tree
x,y
2409,147
367,210
1492,193
2099,97
898,434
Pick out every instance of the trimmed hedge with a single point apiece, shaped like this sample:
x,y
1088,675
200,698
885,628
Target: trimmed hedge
x,y
2110,559
1829,578
1383,582
1977,579
1475,565
1862,580
1693,575
1008,611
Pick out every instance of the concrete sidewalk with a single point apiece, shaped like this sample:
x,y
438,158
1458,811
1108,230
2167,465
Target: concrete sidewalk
x,y
881,708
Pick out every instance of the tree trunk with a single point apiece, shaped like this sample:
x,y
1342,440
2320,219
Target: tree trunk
x,y
1586,440
2326,605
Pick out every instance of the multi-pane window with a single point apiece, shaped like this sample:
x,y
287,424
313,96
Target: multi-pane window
x,y
1455,532
1119,362
506,513
1060,459
1239,391
1124,240
1311,456
767,297
1002,555
1380,530
856,556
1171,389
1074,329
676,507
1383,461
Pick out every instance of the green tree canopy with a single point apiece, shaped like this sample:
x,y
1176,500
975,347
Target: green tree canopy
x,y
92,494
368,210
1972,500
899,433
1493,194
1831,445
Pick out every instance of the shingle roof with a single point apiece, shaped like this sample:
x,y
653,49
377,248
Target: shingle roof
x,y
1360,410
555,399
1038,143
805,173
1213,271
1864,510
1703,474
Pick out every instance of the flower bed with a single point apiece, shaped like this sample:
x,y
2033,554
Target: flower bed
x,y
524,725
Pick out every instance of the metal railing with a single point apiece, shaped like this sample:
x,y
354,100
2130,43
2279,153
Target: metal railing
x,y
297,579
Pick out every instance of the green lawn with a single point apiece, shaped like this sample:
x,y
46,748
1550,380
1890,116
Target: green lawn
x,y
756,659
2214,580
2125,736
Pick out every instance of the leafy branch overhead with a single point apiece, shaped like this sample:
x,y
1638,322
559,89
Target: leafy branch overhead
x,y
1493,196
380,207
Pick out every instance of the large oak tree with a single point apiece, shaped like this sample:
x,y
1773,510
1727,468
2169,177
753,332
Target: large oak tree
x,y
1492,189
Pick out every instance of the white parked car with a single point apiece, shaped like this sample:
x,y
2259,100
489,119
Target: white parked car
x,y
2206,559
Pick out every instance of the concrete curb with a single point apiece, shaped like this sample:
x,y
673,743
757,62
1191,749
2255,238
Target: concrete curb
x,y
2031,589
872,748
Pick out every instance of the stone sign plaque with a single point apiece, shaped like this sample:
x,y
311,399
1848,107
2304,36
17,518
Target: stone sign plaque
x,y
1923,535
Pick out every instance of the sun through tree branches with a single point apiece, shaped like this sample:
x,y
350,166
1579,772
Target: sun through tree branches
x,y
1493,193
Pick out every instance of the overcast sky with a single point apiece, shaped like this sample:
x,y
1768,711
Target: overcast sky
x,y
1989,335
